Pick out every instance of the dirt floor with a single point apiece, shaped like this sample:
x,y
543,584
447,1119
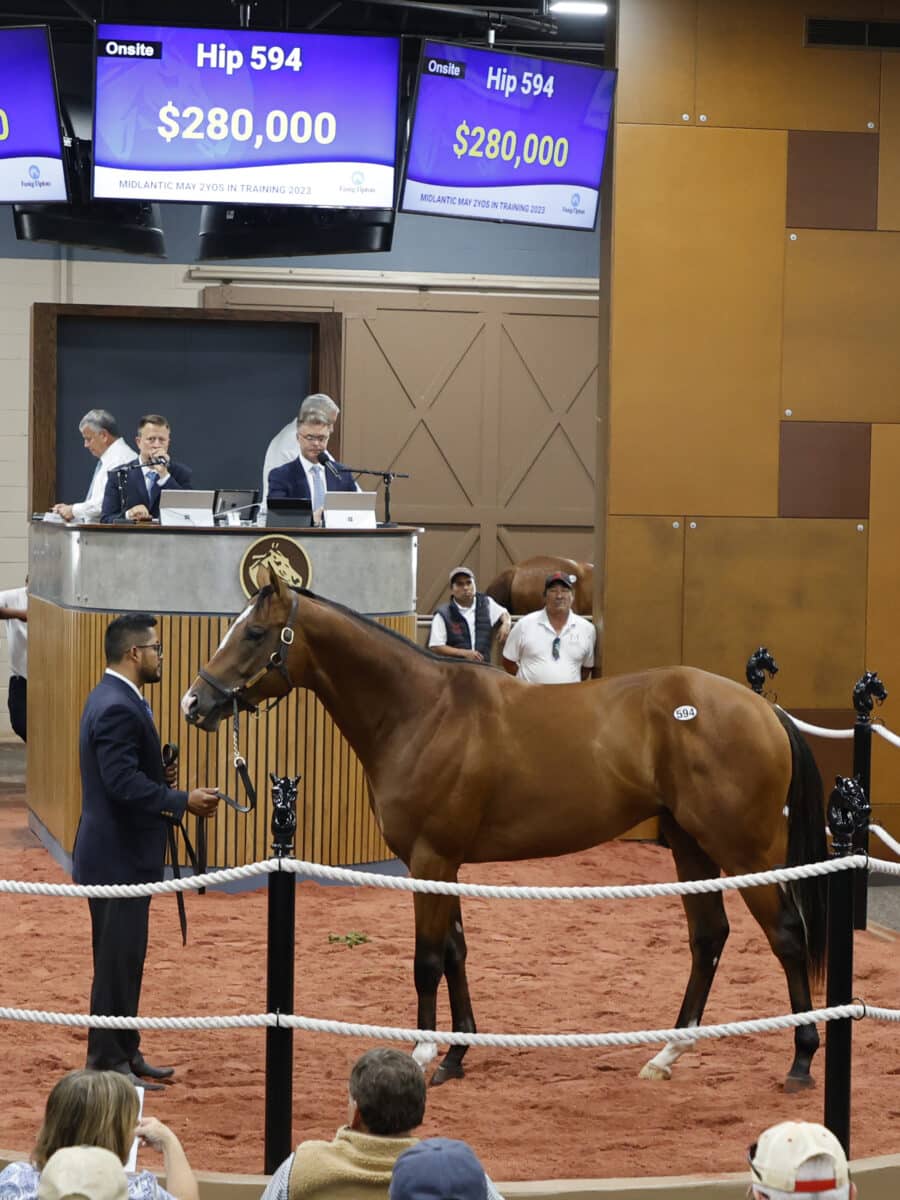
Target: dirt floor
x,y
533,967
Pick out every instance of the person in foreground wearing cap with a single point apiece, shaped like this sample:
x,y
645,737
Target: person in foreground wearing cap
x,y
799,1158
441,1169
97,1109
83,1173
387,1102
552,645
464,627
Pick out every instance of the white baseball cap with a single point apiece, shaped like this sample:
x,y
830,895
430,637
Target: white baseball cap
x,y
799,1158
461,571
83,1173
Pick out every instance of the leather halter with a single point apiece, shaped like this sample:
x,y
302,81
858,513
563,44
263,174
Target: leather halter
x,y
236,696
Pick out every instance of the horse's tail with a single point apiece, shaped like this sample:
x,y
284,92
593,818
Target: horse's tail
x,y
807,844
500,589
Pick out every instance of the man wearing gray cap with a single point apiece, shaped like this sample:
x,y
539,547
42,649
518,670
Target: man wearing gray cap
x,y
464,627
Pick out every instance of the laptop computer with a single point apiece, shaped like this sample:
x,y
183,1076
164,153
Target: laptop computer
x,y
288,512
350,510
180,508
235,505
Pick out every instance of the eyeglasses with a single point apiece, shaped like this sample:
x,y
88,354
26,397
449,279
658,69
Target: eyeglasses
x,y
554,649
157,646
316,438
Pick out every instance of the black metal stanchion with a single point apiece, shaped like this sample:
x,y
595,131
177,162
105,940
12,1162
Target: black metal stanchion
x,y
759,662
847,808
867,689
280,977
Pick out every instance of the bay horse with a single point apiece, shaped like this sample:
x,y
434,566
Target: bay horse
x,y
468,764
520,588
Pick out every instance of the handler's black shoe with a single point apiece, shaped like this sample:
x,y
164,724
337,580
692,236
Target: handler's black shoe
x,y
135,1080
141,1067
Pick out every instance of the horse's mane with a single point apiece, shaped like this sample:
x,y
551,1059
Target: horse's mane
x,y
384,630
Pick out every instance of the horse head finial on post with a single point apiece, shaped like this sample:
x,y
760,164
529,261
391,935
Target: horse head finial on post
x,y
284,813
759,662
848,810
867,690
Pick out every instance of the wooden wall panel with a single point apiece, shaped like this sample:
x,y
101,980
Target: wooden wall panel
x,y
656,50
889,139
644,565
334,822
841,350
754,71
795,586
697,320
883,587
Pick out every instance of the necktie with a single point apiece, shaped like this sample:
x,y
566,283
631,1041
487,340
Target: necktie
x,y
153,486
146,704
318,488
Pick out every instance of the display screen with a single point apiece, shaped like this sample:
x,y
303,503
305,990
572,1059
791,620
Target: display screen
x,y
31,163
506,137
243,117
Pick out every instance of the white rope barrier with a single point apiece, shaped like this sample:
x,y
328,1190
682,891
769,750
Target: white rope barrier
x,y
887,734
819,730
632,891
881,832
857,1011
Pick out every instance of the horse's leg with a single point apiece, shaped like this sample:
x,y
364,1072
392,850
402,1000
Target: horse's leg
x,y
708,932
781,923
460,1003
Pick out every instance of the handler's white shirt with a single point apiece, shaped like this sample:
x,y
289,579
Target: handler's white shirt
x,y
116,455
438,635
530,644
16,631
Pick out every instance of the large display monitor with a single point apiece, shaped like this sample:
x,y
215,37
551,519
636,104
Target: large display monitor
x,y
507,137
31,148
245,117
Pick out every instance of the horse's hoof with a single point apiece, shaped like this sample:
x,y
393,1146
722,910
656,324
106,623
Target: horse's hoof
x,y
653,1071
445,1072
798,1083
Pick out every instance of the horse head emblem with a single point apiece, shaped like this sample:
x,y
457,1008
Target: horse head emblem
x,y
868,689
282,556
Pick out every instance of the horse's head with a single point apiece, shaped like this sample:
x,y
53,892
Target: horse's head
x,y
251,663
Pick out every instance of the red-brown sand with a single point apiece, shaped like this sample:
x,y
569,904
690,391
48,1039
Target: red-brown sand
x,y
533,967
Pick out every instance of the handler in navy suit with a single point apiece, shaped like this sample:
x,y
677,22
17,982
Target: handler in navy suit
x,y
314,471
133,491
127,798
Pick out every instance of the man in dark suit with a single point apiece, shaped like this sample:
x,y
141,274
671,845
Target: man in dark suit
x,y
133,490
128,796
314,471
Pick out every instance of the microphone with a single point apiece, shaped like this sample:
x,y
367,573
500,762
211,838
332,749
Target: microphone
x,y
160,460
328,464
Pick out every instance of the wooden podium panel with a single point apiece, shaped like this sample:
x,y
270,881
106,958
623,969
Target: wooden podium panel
x,y
335,824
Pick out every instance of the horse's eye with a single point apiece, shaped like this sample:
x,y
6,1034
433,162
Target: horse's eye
x,y
255,633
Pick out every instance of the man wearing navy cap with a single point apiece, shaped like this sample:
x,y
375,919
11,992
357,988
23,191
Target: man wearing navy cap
x,y
552,645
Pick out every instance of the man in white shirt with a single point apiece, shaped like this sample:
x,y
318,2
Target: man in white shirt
x,y
101,437
552,645
14,610
464,628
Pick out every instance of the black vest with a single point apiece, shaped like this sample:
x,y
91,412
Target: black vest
x,y
458,626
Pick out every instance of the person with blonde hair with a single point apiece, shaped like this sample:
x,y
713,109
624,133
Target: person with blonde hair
x,y
100,1108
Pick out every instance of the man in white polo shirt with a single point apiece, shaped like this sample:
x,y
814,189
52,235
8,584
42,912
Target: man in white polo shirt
x,y
552,645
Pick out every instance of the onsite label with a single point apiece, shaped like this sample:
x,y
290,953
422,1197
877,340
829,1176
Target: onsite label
x,y
505,137
241,117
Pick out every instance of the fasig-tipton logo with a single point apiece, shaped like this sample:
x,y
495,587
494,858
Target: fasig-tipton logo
x,y
34,178
445,66
280,554
128,48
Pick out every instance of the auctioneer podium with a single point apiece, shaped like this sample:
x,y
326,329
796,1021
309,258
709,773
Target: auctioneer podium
x,y
196,581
